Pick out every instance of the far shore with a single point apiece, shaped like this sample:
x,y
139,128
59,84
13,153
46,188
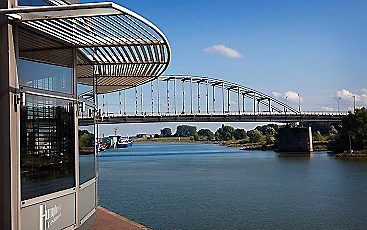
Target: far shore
x,y
253,146
350,154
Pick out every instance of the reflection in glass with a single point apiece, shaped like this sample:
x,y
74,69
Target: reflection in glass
x,y
46,77
47,146
86,153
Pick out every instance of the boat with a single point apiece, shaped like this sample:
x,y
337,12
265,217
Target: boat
x,y
101,147
123,143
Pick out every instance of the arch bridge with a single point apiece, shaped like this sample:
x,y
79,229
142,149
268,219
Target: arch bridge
x,y
185,98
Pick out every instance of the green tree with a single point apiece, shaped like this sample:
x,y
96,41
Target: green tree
x,y
269,129
206,133
224,133
240,134
186,131
166,132
354,125
269,140
255,136
86,142
317,136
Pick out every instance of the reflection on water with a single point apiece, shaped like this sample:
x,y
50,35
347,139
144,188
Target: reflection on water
x,y
201,186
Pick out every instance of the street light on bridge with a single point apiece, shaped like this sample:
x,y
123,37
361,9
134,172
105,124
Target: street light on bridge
x,y
299,102
339,98
354,103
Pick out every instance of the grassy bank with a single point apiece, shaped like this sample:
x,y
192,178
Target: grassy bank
x,y
165,139
317,145
362,154
233,144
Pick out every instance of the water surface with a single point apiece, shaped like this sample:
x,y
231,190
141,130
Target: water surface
x,y
204,186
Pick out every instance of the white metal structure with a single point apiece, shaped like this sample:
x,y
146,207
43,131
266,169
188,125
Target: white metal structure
x,y
47,181
117,46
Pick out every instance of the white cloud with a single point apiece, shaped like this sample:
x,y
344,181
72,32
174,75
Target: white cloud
x,y
224,50
325,108
289,96
347,96
292,96
276,94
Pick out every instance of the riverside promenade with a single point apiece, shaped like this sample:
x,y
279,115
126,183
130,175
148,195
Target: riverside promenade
x,y
107,220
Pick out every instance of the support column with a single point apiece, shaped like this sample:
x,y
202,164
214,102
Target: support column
x,y
136,100
238,100
183,96
167,96
229,100
213,99
151,97
125,101
120,103
9,123
191,98
103,104
159,100
198,97
243,103
254,103
223,101
141,100
269,100
295,141
207,97
174,94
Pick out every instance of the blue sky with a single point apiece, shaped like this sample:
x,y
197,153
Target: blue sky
x,y
315,48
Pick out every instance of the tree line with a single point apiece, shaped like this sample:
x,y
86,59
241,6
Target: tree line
x,y
351,133
265,134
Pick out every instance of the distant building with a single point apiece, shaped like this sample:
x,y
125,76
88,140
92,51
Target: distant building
x,y
142,135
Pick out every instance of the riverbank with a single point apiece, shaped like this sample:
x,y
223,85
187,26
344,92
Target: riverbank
x,y
165,139
318,146
350,155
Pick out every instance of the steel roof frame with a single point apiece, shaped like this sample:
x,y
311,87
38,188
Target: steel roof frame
x,y
118,46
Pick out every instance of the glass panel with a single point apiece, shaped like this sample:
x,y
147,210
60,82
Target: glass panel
x,y
47,146
86,153
45,76
86,135
33,3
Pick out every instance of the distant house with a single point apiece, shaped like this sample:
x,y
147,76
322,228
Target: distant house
x,y
142,135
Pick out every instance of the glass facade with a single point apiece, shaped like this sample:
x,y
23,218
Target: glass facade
x,y
45,76
47,153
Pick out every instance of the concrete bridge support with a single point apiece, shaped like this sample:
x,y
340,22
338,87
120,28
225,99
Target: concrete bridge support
x,y
294,141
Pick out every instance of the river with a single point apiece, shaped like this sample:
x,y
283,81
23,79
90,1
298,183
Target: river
x,y
204,186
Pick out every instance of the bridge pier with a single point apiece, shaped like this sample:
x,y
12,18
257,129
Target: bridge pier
x,y
294,141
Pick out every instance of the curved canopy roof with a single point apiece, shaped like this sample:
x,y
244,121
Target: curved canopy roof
x,y
117,48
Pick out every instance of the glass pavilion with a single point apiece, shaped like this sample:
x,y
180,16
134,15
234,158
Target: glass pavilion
x,y
55,57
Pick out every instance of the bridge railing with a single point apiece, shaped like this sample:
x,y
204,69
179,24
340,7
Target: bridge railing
x,y
305,113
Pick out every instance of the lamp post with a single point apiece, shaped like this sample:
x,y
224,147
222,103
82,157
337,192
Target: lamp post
x,y
339,104
286,104
299,102
350,143
354,103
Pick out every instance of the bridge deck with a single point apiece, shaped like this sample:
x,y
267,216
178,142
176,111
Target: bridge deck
x,y
151,118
